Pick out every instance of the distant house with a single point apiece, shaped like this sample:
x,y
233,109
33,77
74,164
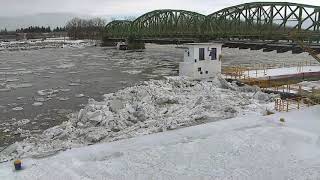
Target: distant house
x,y
201,60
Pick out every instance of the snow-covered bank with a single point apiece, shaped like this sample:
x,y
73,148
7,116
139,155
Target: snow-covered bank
x,y
309,85
283,71
247,147
150,107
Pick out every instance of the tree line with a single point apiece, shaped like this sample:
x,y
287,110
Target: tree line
x,y
4,31
38,29
78,28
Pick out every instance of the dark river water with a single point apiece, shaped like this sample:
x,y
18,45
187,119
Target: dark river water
x,y
39,88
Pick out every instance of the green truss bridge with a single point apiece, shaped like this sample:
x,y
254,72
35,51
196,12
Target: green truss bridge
x,y
250,21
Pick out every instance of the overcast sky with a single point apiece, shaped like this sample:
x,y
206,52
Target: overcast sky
x,y
110,7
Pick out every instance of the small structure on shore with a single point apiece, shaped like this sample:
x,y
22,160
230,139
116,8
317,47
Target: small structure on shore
x,y
201,60
122,46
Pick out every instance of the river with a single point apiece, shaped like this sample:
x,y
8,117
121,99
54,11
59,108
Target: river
x,y
39,88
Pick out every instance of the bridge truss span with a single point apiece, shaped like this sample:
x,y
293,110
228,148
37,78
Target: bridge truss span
x,y
168,23
257,20
267,20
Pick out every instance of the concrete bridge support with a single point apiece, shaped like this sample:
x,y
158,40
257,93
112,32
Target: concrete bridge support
x,y
108,42
134,44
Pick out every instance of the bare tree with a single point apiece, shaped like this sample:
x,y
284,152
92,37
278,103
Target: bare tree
x,y
85,28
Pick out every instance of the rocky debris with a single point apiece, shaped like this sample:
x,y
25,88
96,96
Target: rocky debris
x,y
150,107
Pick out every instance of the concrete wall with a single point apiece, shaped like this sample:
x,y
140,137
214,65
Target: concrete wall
x,y
196,69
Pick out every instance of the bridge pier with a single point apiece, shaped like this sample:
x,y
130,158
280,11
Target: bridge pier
x,y
297,50
135,43
109,42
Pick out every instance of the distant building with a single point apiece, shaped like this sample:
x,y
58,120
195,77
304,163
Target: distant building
x,y
201,60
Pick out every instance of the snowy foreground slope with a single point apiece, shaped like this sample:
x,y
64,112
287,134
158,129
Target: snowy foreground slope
x,y
248,147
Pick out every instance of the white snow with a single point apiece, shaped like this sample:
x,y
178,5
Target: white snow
x,y
282,71
309,85
248,147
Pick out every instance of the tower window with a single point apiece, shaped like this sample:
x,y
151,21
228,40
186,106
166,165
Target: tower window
x,y
213,53
201,54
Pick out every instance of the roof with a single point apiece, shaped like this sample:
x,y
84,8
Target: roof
x,y
202,44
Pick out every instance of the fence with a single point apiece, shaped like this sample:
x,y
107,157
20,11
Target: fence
x,y
249,71
285,105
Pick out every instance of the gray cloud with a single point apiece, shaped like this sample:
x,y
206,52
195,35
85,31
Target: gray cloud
x,y
109,7
23,13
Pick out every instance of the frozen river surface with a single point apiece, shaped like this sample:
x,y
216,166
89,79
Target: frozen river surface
x,y
39,88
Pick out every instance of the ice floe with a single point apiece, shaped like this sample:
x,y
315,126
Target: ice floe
x,y
22,85
133,71
74,84
79,95
66,66
150,107
17,109
37,104
21,122
63,98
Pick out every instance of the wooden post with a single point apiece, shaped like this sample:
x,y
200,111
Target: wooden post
x,y
300,90
313,91
289,88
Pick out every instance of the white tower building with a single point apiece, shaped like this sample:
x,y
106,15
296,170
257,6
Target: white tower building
x,y
201,60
